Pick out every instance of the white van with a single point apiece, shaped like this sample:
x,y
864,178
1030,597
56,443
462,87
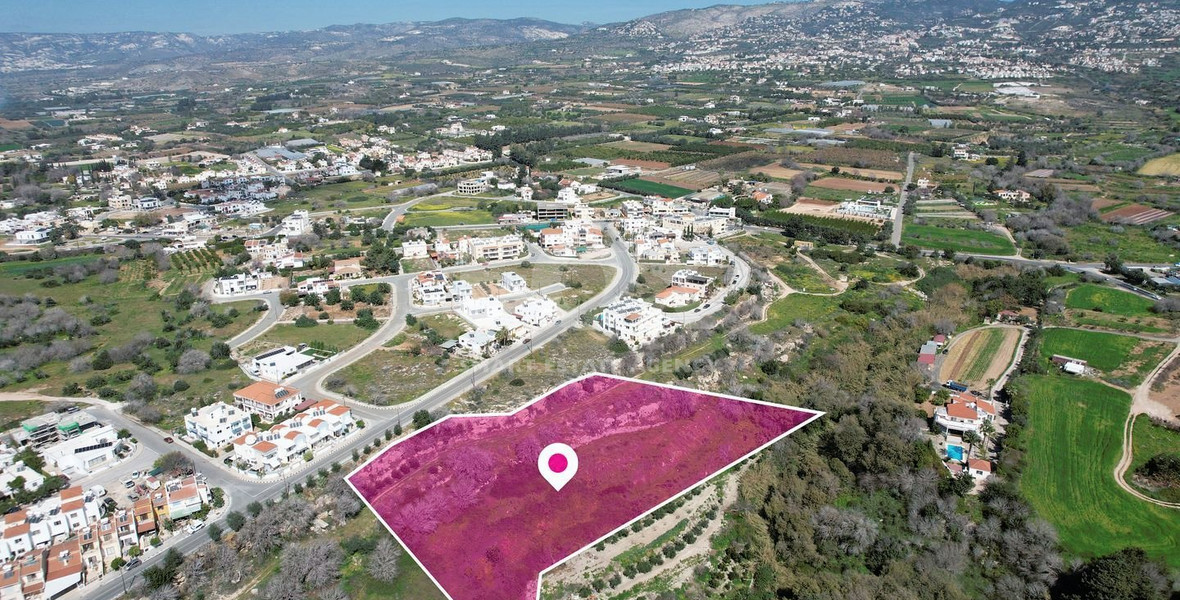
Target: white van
x,y
98,491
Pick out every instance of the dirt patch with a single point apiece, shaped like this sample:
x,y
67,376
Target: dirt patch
x,y
855,185
777,171
1166,391
968,348
334,312
1100,203
859,172
638,146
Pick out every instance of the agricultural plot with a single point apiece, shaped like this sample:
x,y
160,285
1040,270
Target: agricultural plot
x,y
1135,214
859,172
1122,359
1071,484
777,171
853,185
1102,307
1163,166
646,188
978,357
1100,298
1093,241
959,240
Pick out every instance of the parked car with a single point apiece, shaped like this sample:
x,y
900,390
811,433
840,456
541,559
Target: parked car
x,y
133,496
195,526
135,474
72,409
98,491
168,440
135,562
127,483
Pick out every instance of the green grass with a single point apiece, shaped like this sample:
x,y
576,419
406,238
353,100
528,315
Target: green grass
x,y
820,193
641,186
1089,296
993,339
1149,440
1093,241
783,312
1075,441
1103,351
801,277
959,240
448,326
447,218
333,335
443,203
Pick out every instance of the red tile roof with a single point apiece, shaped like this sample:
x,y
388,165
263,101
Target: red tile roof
x,y
978,464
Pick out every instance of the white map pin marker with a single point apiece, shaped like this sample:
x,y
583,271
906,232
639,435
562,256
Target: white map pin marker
x,y
558,464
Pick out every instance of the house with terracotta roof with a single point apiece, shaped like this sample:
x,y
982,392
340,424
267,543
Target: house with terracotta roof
x,y
266,399
677,296
63,568
185,497
266,451
980,469
963,413
347,268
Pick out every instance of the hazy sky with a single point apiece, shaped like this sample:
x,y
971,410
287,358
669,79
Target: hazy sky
x,y
236,16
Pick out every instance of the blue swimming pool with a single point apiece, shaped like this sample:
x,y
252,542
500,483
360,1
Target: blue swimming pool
x,y
954,452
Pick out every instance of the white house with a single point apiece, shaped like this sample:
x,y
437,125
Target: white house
x,y
280,363
430,288
297,223
89,451
415,249
707,256
691,279
632,320
217,424
964,413
512,282
267,399
234,285
33,236
536,311
676,296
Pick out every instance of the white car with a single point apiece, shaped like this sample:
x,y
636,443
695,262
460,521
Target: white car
x,y
195,525
98,491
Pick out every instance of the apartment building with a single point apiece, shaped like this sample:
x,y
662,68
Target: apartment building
x,y
632,320
217,424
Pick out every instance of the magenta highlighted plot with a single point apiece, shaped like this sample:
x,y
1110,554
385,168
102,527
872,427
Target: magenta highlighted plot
x,y
485,513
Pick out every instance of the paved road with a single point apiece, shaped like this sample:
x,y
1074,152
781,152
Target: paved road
x,y
241,490
274,310
899,218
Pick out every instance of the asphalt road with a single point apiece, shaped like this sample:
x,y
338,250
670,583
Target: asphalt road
x,y
899,218
241,491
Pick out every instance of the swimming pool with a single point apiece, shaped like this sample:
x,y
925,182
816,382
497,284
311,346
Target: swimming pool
x,y
954,452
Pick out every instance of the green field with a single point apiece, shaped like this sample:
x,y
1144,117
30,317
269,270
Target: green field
x,y
1093,241
1074,441
1123,359
1149,440
959,240
332,335
783,312
641,186
446,218
802,278
1089,296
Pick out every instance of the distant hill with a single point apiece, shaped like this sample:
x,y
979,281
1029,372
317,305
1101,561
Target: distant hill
x,y
20,52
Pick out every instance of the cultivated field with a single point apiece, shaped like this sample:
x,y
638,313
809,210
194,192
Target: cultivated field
x,y
1164,165
777,171
694,178
978,357
874,173
1135,214
959,240
1122,359
638,146
852,185
1074,438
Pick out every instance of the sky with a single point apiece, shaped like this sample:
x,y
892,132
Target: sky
x,y
238,16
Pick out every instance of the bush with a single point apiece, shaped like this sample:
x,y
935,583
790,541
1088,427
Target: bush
x,y
305,321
